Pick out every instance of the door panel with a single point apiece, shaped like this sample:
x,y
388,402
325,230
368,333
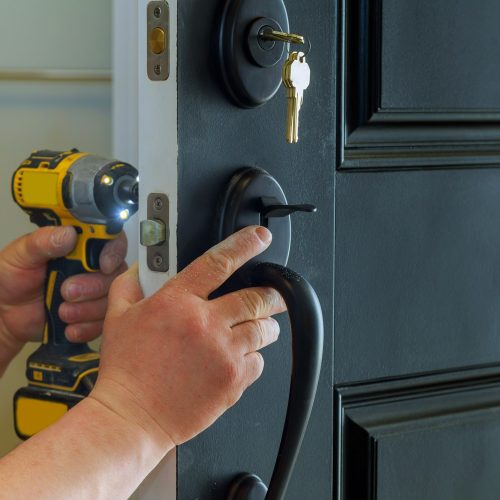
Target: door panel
x,y
418,288
433,55
433,437
419,83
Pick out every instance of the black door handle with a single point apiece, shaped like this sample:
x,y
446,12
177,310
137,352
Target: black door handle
x,y
306,322
243,205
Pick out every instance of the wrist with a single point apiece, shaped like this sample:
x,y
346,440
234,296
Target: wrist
x,y
119,400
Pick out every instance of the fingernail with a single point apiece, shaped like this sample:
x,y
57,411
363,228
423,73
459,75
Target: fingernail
x,y
61,236
264,234
71,333
74,291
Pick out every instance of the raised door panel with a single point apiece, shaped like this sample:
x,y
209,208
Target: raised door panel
x,y
419,83
430,439
417,272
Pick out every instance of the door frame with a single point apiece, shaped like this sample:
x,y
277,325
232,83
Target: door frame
x,y
145,133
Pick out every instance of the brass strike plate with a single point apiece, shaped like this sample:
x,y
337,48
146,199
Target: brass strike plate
x,y
158,35
158,254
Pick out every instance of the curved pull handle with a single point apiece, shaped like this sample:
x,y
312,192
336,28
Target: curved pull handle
x,y
306,321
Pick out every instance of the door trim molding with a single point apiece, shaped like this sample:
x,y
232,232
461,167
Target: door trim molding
x,y
372,137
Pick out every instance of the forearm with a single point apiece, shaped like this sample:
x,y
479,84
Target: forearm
x,y
9,348
90,453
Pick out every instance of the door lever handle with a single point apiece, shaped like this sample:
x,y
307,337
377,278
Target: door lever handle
x,y
272,207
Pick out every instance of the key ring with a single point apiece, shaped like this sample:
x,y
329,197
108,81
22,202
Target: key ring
x,y
280,36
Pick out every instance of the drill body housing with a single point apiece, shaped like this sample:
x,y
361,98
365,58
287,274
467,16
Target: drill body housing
x,y
95,196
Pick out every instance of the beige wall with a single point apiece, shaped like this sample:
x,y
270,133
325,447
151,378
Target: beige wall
x,y
48,34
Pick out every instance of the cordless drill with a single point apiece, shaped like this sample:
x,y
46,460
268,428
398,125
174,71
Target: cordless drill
x,y
95,196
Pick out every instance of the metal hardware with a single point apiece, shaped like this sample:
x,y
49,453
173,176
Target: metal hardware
x,y
158,46
296,79
56,75
279,36
252,193
250,66
154,233
157,41
254,197
272,207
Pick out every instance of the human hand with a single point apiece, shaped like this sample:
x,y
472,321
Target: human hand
x,y
175,362
23,266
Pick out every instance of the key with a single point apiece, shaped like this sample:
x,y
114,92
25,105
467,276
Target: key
x,y
296,78
290,125
299,78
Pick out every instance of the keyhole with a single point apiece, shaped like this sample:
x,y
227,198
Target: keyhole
x,y
265,44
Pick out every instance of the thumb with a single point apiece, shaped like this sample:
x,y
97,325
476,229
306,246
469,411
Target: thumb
x,y
37,248
125,292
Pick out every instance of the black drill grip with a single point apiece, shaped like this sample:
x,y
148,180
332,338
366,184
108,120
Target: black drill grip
x,y
54,338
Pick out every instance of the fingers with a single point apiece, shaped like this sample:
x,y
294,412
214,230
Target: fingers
x,y
83,312
249,304
125,291
37,248
84,287
255,335
84,332
254,366
113,254
214,267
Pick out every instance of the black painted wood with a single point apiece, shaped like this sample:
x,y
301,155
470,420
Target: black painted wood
x,y
440,55
215,139
417,272
431,437
419,84
403,251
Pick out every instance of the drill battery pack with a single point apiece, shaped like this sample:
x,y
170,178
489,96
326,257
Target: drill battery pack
x,y
36,408
55,386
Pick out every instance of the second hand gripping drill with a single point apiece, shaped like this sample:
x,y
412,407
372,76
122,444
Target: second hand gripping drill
x,y
95,196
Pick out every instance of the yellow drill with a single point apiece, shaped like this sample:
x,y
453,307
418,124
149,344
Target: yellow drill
x,y
96,196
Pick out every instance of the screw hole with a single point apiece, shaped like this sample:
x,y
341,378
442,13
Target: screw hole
x,y
158,261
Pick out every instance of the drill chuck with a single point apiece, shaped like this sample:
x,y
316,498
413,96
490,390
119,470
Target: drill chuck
x,y
128,192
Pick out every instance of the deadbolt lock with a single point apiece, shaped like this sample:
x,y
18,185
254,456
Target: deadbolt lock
x,y
158,47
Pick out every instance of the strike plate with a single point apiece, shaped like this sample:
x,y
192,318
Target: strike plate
x,y
158,37
158,255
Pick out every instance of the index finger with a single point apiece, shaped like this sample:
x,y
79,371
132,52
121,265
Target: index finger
x,y
214,267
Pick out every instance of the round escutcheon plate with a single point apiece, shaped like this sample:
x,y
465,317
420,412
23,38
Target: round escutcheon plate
x,y
247,487
250,67
240,207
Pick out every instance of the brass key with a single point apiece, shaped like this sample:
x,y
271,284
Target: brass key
x,y
296,77
291,97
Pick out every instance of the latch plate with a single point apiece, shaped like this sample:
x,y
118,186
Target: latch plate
x,y
158,215
157,43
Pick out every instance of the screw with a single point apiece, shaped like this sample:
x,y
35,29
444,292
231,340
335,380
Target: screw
x,y
158,260
157,69
158,204
157,12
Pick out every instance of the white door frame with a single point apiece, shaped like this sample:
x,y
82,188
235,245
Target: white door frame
x,y
145,133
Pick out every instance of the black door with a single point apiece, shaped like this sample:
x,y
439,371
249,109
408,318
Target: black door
x,y
399,150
